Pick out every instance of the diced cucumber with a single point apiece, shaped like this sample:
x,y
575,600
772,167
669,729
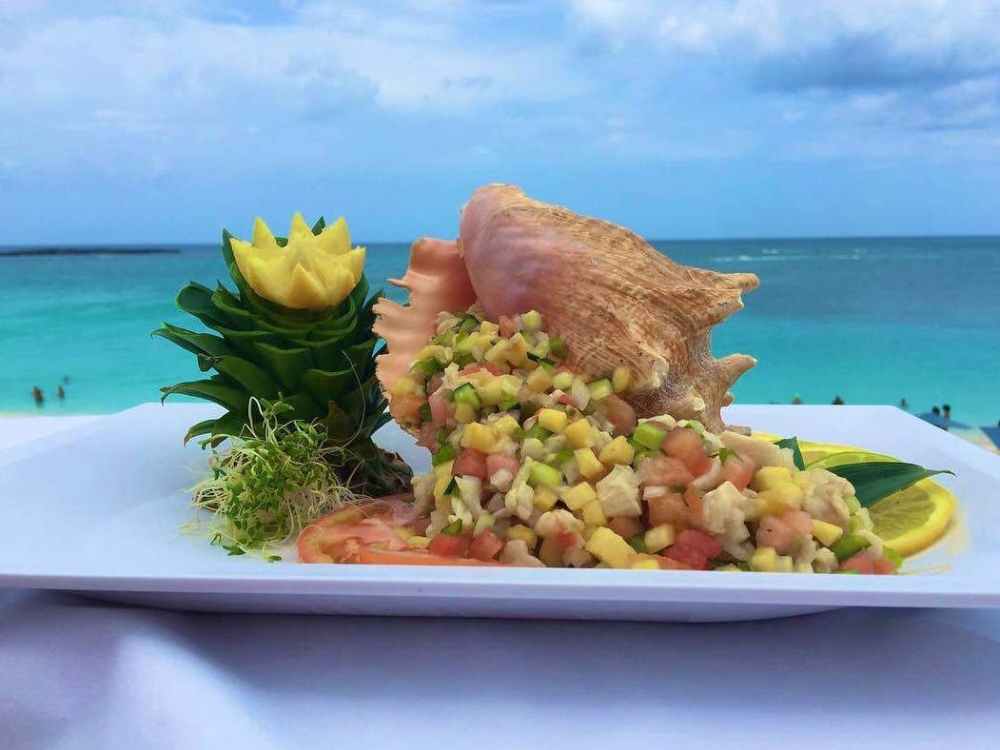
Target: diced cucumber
x,y
547,364
537,431
562,380
848,546
557,346
507,404
427,367
528,408
462,359
543,475
600,388
466,394
424,412
469,323
531,320
649,436
442,436
453,529
443,455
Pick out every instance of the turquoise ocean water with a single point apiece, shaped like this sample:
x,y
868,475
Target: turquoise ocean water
x,y
870,320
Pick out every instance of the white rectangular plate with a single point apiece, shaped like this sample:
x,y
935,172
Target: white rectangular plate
x,y
99,509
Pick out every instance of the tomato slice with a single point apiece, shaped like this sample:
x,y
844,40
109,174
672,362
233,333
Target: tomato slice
x,y
700,542
684,443
485,546
470,463
686,556
450,546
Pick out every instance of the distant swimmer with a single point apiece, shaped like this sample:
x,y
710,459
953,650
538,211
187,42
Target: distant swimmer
x,y
797,400
60,393
903,404
838,401
65,379
36,393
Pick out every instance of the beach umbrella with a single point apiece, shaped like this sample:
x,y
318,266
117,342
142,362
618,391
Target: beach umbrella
x,y
993,433
935,419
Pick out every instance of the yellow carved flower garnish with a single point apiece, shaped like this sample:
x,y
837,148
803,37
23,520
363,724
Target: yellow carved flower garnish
x,y
311,272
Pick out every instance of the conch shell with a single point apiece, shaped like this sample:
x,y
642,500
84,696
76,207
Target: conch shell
x,y
613,298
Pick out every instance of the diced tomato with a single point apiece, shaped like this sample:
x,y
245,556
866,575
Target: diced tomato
x,y
669,508
665,563
470,463
474,367
406,408
507,327
664,471
799,520
683,443
567,400
427,435
774,532
619,413
884,566
441,410
567,539
694,502
450,546
687,556
700,541
499,462
861,562
485,546
625,527
738,471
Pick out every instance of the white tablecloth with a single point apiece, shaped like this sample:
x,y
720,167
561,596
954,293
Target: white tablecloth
x,y
77,673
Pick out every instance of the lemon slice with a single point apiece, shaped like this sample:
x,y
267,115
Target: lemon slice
x,y
912,520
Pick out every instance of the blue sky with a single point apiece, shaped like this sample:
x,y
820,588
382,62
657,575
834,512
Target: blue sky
x,y
150,121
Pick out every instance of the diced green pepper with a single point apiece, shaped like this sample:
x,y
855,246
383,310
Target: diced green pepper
x,y
848,546
544,475
466,394
649,436
427,367
424,412
638,542
600,388
453,529
558,459
537,431
443,455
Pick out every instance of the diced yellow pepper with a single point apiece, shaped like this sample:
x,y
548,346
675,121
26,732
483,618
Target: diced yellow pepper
x,y
593,514
540,380
608,547
577,496
490,391
618,451
588,531
552,420
764,560
465,413
659,537
580,434
590,466
443,470
729,569
528,536
440,485
621,379
506,425
433,351
544,498
404,386
827,533
497,354
479,436
551,554
517,350
419,542
768,476
645,565
489,328
785,494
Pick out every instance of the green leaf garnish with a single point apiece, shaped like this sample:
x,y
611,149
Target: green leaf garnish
x,y
874,480
793,443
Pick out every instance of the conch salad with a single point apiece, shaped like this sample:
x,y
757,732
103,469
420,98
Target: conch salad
x,y
536,465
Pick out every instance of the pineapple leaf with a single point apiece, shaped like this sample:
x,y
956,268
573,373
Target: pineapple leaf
x,y
251,378
319,226
197,343
286,365
212,390
196,299
230,306
329,386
